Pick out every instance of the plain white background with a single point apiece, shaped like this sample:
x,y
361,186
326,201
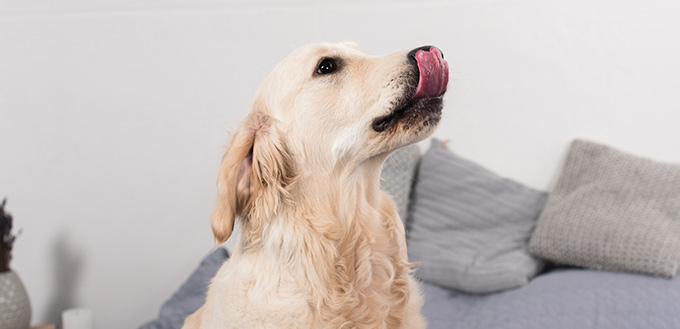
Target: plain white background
x,y
114,114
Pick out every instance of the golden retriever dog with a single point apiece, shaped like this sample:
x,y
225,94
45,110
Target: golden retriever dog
x,y
321,246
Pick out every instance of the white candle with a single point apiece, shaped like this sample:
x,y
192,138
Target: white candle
x,y
77,318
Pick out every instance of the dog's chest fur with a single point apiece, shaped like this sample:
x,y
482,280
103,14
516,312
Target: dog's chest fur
x,y
296,280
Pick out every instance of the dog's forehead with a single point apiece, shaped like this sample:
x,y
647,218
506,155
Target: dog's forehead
x,y
319,50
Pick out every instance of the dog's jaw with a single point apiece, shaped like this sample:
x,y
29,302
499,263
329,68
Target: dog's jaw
x,y
412,112
422,117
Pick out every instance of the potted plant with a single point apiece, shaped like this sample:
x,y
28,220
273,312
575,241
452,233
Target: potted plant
x,y
15,310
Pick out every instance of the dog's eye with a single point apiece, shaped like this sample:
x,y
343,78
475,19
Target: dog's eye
x,y
327,66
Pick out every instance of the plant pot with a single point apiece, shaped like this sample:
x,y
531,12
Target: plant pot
x,y
15,310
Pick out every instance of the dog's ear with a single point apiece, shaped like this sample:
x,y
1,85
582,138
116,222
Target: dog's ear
x,y
254,177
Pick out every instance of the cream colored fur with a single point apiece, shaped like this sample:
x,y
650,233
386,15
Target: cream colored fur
x,y
321,246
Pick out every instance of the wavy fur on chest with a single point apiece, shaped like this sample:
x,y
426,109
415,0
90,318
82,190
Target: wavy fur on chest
x,y
308,273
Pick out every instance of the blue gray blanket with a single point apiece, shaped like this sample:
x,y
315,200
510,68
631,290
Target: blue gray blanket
x,y
562,298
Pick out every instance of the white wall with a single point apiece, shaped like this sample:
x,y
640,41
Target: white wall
x,y
113,114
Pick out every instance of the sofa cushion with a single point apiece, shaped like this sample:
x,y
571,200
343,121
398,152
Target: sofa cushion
x,y
398,174
563,298
612,211
468,227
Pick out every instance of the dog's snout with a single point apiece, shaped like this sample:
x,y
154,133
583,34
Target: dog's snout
x,y
412,54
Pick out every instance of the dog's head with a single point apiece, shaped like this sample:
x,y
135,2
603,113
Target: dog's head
x,y
326,108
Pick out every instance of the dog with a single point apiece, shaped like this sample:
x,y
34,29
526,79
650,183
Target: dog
x,y
321,246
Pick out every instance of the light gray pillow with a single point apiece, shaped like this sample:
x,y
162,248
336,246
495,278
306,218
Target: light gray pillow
x,y
398,174
468,227
612,211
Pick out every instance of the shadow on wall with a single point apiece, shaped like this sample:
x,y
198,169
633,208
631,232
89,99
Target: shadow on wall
x,y
67,264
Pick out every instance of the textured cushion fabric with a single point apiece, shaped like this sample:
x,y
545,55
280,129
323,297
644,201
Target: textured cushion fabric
x,y
612,211
563,298
398,176
468,227
191,295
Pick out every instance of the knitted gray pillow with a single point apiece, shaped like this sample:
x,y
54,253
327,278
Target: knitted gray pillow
x,y
468,227
612,211
397,176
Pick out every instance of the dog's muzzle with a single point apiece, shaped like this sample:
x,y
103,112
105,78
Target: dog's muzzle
x,y
433,78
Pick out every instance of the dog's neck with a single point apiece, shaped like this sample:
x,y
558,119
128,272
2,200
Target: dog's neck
x,y
329,201
343,193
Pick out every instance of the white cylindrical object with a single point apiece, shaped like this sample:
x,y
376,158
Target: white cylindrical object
x,y
77,318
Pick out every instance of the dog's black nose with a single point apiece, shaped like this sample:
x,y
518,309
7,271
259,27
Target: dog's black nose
x,y
412,54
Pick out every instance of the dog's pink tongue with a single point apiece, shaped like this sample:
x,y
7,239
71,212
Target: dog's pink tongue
x,y
434,73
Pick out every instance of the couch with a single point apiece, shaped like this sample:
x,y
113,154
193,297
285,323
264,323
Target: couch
x,y
601,250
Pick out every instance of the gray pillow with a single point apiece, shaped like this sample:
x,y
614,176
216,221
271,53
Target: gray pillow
x,y
612,211
468,227
398,176
191,295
